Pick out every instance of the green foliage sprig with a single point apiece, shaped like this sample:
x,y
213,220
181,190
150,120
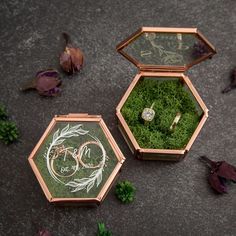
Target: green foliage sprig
x,y
102,231
3,113
125,191
8,129
8,132
169,97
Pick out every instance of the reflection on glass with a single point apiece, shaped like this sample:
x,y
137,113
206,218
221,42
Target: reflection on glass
x,y
174,49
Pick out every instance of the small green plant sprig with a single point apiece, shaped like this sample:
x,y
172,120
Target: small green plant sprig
x,y
102,231
3,113
125,191
8,129
8,132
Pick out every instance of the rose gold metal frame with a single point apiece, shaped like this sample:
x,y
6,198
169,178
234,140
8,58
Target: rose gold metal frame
x,y
161,71
70,118
144,153
163,68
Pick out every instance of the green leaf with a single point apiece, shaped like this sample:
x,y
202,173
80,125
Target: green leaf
x,y
3,113
102,231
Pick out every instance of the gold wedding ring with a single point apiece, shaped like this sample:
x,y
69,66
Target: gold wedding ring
x,y
77,157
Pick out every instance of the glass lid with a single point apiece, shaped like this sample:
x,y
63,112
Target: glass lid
x,y
75,159
170,48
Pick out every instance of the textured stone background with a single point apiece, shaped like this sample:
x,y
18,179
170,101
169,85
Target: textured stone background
x,y
172,198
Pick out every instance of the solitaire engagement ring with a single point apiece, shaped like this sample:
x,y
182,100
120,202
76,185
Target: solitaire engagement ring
x,y
148,113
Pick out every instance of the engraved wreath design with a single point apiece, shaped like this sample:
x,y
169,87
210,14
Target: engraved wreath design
x,y
56,147
168,57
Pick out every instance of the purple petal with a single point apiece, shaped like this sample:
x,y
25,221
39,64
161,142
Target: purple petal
x,y
46,83
39,72
48,73
217,183
44,233
227,171
51,93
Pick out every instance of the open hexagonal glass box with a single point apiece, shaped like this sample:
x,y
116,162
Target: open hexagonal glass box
x,y
161,113
76,160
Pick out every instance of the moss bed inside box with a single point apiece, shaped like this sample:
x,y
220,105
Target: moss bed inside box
x,y
170,97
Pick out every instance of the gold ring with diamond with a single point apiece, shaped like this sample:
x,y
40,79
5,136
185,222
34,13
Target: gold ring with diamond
x,y
148,114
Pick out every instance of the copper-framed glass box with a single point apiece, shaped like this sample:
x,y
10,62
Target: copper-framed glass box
x,y
76,160
162,55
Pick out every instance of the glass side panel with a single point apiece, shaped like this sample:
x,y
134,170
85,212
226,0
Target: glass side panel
x,y
167,49
75,160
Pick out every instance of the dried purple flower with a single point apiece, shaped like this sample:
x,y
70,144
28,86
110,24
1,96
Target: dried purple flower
x,y
43,232
232,84
200,49
71,59
46,82
220,173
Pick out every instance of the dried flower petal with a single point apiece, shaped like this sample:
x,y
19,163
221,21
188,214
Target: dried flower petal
x,y
227,171
232,84
71,59
200,49
44,232
221,172
47,83
216,183
48,73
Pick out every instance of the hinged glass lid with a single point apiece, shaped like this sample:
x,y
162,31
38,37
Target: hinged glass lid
x,y
76,158
171,49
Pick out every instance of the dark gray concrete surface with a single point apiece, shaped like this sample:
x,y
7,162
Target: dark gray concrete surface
x,y
172,198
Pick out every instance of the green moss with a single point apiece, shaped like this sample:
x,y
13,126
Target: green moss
x,y
170,97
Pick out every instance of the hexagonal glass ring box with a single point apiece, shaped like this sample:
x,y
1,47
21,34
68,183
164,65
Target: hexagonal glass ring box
x,y
76,160
161,113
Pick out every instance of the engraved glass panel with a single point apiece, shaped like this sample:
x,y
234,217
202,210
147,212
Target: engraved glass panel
x,y
75,160
167,49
